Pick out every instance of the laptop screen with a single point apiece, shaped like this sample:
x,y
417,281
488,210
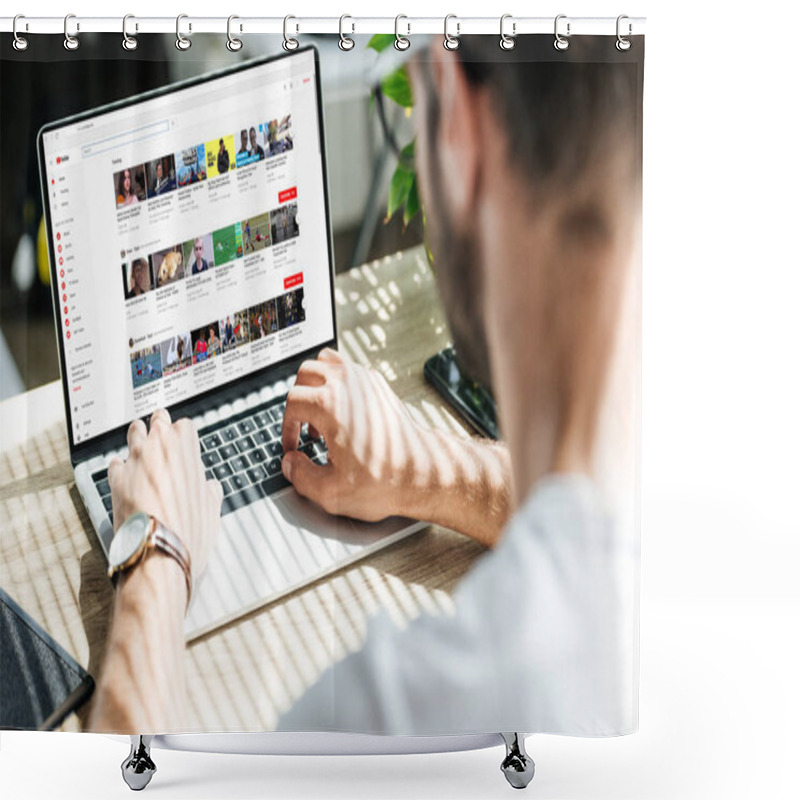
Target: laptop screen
x,y
190,238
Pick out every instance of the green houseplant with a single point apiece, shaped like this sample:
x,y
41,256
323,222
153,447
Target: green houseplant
x,y
395,86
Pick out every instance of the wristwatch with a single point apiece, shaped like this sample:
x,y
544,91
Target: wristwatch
x,y
139,534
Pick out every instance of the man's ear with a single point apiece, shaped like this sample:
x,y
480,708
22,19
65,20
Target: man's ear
x,y
460,134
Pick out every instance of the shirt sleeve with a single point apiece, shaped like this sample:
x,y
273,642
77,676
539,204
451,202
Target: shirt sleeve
x,y
538,642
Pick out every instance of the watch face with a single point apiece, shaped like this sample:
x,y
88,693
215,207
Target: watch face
x,y
129,539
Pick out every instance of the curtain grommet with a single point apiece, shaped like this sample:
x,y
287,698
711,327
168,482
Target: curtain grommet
x,y
71,42
181,41
20,43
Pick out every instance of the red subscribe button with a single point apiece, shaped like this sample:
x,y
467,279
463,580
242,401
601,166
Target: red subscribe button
x,y
293,280
287,194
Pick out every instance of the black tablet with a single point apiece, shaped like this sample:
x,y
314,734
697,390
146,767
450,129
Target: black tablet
x,y
41,682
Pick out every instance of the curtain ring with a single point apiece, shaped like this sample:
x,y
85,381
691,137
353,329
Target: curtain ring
x,y
70,42
129,42
233,44
345,42
623,44
289,43
401,42
451,42
20,42
507,42
561,42
181,42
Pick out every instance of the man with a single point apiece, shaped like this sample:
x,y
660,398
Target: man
x,y
158,184
243,149
223,159
230,338
164,182
140,278
272,137
533,240
200,349
200,264
214,346
255,148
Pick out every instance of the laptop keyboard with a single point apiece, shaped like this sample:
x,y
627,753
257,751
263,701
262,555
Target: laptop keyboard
x,y
244,454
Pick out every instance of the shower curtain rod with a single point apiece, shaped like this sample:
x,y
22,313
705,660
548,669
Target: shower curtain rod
x,y
347,25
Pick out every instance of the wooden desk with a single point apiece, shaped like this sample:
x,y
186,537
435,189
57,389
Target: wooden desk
x,y
243,676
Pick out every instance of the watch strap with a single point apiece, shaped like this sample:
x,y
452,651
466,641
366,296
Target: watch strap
x,y
162,538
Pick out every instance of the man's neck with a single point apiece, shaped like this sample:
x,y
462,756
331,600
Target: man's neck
x,y
549,372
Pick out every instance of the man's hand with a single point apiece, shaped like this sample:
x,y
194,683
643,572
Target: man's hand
x,y
165,477
370,437
380,462
142,681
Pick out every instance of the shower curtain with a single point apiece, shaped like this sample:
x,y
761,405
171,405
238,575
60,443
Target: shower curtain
x,y
534,629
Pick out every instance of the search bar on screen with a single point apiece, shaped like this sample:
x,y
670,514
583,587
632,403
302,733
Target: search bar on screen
x,y
122,139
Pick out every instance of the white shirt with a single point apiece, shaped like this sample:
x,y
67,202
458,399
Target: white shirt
x,y
543,639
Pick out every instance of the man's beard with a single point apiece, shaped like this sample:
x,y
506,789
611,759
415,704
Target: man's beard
x,y
456,262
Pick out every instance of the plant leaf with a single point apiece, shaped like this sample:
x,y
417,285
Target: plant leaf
x,y
412,201
398,190
380,41
397,87
407,154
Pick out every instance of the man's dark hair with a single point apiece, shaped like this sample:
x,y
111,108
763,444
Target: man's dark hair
x,y
571,125
562,111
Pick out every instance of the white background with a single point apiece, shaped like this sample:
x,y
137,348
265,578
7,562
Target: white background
x,y
720,611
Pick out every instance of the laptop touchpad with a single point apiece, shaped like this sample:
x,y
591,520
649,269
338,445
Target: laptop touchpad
x,y
298,512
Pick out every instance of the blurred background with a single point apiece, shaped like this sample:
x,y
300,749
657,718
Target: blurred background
x,y
45,83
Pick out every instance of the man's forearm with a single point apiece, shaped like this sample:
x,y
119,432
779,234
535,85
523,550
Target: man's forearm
x,y
463,484
142,687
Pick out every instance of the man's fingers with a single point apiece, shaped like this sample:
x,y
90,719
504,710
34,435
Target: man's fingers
x,y
330,356
137,433
311,373
160,417
305,404
114,467
189,440
309,479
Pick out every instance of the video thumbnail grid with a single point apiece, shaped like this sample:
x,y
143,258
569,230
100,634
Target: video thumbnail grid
x,y
204,161
202,253
234,330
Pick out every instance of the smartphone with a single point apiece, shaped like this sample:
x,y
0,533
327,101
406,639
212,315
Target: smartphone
x,y
472,401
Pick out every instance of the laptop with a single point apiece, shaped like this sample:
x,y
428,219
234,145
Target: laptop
x,y
192,267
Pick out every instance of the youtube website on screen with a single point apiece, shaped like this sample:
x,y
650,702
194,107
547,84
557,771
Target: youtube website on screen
x,y
190,239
